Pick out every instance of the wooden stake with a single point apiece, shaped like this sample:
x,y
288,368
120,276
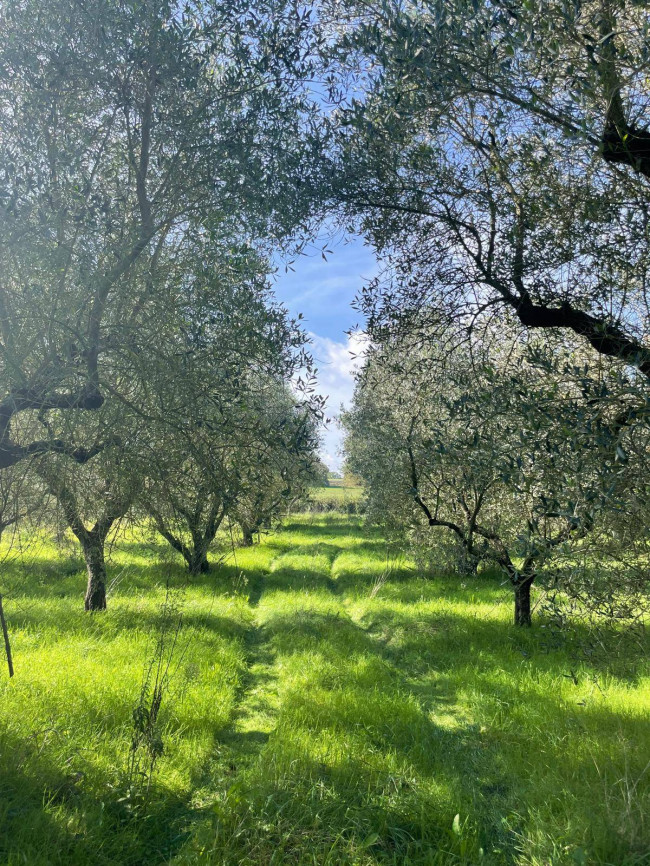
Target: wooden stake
x,y
3,621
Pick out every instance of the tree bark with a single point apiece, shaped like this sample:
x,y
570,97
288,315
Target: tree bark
x,y
198,563
93,551
5,634
467,564
522,601
247,536
630,148
91,540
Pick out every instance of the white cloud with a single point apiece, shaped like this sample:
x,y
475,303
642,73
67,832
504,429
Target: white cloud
x,y
336,363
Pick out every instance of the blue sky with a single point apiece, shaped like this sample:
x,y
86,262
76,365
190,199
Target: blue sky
x,y
323,292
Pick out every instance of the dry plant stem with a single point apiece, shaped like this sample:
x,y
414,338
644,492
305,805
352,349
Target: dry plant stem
x,y
5,633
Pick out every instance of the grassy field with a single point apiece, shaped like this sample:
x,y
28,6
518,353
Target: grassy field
x,y
336,493
325,705
347,482
334,498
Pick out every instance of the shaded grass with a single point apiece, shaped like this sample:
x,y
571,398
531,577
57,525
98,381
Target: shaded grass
x,y
331,706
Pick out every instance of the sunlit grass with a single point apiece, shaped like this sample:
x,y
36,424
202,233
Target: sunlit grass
x,y
343,494
344,499
328,705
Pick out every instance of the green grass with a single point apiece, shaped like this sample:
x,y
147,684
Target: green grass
x,y
335,498
339,493
325,708
350,482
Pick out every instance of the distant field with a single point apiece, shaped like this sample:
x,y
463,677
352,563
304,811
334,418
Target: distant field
x,y
326,705
338,494
343,482
346,499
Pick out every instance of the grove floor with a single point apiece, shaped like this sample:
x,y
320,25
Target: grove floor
x,y
326,704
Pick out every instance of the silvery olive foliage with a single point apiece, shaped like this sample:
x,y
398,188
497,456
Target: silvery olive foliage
x,y
282,460
496,155
516,459
147,157
128,130
180,442
243,458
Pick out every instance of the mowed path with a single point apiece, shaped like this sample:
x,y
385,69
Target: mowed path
x,y
331,730
291,597
387,718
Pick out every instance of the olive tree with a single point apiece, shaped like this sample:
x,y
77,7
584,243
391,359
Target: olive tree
x,y
129,132
242,455
216,399
282,461
216,467
189,490
515,465
471,153
126,127
95,494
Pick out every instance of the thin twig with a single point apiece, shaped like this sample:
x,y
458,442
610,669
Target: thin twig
x,y
3,621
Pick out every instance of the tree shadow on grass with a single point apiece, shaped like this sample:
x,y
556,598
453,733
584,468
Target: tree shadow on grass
x,y
365,695
133,604
368,565
297,579
441,639
329,527
51,815
491,589
356,695
306,811
27,829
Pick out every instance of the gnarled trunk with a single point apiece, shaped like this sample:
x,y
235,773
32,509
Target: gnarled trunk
x,y
92,541
93,551
197,553
247,535
197,563
522,601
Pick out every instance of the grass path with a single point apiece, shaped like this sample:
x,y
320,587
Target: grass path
x,y
325,711
379,713
256,709
255,716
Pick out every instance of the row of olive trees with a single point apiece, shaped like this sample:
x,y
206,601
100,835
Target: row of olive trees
x,y
516,459
147,157
244,461
151,153
204,427
496,155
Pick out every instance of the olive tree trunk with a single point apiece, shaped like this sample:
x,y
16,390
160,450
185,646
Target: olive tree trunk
x,y
202,531
92,540
197,562
522,601
247,535
92,545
